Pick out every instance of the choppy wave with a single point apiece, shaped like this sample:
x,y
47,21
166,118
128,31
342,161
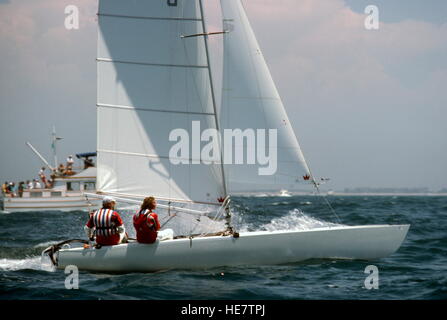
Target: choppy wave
x,y
46,244
297,220
415,271
294,220
31,263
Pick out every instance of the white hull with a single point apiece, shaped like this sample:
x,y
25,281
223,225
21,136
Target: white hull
x,y
70,203
251,248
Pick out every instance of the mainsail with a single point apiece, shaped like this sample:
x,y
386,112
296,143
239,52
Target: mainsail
x,y
151,80
250,100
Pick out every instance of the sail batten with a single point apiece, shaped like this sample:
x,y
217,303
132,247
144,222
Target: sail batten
x,y
152,64
150,109
148,18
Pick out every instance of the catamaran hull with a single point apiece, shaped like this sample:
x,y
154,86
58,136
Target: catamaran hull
x,y
251,248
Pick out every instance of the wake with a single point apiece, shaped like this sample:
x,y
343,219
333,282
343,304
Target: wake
x,y
294,220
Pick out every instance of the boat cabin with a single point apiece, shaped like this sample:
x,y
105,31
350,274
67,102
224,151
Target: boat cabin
x,y
66,186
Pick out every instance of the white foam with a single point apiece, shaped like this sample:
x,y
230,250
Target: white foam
x,y
32,263
45,244
297,220
294,220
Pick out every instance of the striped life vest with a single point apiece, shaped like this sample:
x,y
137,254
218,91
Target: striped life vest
x,y
104,226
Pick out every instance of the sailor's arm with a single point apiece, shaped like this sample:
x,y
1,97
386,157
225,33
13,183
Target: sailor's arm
x,y
157,222
89,232
119,225
88,228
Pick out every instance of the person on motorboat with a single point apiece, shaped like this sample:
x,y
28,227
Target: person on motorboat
x,y
106,224
43,177
147,225
61,169
5,189
36,184
11,189
88,163
70,163
21,188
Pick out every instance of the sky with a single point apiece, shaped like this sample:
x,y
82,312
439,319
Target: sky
x,y
369,107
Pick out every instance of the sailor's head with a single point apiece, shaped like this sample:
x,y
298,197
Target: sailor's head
x,y
149,203
108,203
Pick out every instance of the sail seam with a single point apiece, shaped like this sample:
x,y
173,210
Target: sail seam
x,y
159,198
150,110
147,18
151,64
255,98
147,155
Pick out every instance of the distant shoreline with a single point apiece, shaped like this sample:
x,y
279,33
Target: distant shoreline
x,y
397,194
347,194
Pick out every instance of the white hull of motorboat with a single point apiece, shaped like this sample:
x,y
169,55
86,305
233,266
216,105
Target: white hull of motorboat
x,y
69,203
250,248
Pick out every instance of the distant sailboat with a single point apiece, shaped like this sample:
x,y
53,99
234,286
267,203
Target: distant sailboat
x,y
154,76
284,193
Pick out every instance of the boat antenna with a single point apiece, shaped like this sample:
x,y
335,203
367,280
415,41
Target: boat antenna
x,y
53,145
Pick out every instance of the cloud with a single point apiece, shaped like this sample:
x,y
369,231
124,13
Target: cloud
x,y
47,78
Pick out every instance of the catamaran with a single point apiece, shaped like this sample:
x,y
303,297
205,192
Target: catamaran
x,y
155,76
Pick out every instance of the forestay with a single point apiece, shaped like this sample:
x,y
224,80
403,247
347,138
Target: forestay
x,y
150,82
250,101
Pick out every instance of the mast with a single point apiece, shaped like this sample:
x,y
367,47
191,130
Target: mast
x,y
54,146
213,97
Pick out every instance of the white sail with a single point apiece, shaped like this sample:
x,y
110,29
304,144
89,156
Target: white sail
x,y
250,101
150,82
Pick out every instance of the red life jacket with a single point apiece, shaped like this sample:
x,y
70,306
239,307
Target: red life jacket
x,y
146,225
106,222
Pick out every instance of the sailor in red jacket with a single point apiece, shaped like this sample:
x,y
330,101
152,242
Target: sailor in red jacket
x,y
106,224
146,222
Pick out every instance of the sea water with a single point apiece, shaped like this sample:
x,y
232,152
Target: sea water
x,y
418,270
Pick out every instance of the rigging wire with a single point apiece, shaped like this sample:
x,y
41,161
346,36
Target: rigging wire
x,y
326,200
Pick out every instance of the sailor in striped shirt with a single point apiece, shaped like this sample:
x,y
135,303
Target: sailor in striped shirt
x,y
106,224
